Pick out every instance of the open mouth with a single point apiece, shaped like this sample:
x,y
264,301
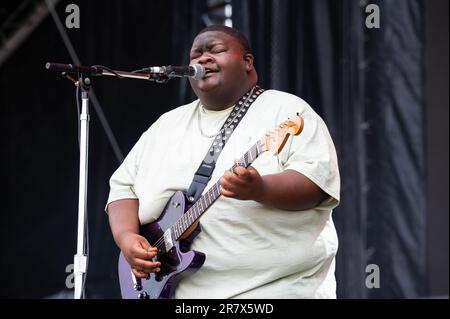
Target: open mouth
x,y
209,71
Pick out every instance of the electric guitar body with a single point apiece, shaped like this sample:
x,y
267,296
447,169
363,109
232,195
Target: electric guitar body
x,y
176,263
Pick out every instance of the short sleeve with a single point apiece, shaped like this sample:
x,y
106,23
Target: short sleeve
x,y
313,154
123,179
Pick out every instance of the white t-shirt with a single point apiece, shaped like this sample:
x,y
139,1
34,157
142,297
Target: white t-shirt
x,y
252,251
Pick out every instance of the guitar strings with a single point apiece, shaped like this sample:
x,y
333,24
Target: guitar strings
x,y
160,242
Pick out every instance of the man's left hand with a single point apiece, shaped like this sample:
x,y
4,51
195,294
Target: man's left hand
x,y
243,183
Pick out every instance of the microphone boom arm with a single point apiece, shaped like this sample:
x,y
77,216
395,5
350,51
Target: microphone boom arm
x,y
100,70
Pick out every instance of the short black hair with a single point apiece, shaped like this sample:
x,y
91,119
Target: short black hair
x,y
238,35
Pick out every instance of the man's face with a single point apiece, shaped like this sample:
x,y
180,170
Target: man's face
x,y
225,62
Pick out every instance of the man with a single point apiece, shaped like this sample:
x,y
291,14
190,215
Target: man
x,y
271,234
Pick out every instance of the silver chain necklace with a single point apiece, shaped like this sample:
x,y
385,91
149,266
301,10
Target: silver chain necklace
x,y
243,105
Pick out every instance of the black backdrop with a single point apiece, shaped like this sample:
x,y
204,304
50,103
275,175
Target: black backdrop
x,y
366,83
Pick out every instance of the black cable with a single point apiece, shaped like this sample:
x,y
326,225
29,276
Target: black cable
x,y
77,97
102,67
86,243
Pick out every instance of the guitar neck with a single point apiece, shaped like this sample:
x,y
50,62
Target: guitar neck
x,y
213,193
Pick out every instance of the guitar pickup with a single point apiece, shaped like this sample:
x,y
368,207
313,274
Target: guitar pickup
x,y
168,239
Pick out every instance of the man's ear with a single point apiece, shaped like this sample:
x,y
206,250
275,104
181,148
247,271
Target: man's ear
x,y
248,58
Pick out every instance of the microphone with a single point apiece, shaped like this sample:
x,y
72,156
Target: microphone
x,y
195,71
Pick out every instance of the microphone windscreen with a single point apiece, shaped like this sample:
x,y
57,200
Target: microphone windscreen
x,y
199,71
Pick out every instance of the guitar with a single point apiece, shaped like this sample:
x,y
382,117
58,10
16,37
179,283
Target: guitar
x,y
172,233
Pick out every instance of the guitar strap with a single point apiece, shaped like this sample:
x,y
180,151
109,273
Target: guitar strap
x,y
206,168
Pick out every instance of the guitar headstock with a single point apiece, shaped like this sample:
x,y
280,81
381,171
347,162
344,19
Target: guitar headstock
x,y
275,139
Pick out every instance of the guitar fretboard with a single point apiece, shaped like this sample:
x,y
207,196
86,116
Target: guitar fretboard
x,y
213,193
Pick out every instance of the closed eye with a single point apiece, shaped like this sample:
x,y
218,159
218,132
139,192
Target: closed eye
x,y
218,49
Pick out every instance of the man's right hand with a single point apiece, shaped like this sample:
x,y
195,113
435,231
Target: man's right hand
x,y
139,253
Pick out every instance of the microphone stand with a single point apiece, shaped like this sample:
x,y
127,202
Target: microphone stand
x,y
84,83
80,259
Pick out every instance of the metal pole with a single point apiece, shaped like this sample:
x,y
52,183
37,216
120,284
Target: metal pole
x,y
80,259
